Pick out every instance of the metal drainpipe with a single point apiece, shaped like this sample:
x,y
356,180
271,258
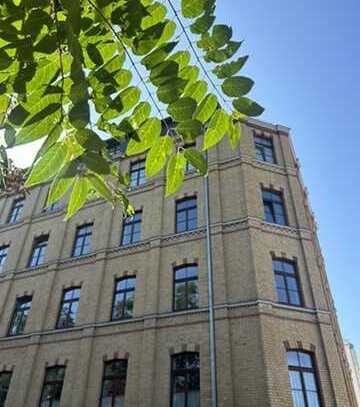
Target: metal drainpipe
x,y
212,339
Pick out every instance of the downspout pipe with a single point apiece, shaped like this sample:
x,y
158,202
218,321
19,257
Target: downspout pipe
x,y
212,337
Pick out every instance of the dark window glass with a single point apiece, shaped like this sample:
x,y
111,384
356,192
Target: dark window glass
x,y
186,290
52,388
264,149
69,307
16,210
5,378
186,215
123,303
189,167
114,383
137,173
3,256
38,251
185,380
274,207
287,282
21,312
82,244
131,230
303,381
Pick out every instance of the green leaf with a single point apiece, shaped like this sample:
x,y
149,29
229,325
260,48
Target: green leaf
x,y
48,166
171,91
163,72
206,108
9,135
39,128
122,78
191,8
231,68
125,101
221,35
182,58
5,60
234,133
237,86
196,90
248,107
94,55
157,155
175,173
189,130
99,184
96,163
78,196
79,115
218,126
182,109
62,182
197,160
140,114
89,140
221,55
189,73
202,24
148,134
158,55
156,14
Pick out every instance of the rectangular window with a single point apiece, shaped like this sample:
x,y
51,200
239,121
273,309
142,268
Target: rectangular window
x,y
38,251
131,229
287,282
68,308
114,383
56,206
274,208
82,243
186,214
186,290
3,256
21,312
185,380
52,388
16,210
123,303
264,149
5,378
303,380
137,173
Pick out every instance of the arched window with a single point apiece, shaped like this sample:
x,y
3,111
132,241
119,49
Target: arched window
x,y
303,380
185,380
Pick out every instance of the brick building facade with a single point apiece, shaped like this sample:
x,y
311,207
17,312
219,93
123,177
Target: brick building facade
x,y
104,311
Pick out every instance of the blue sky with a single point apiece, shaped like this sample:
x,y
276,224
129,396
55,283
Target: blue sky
x,y
305,59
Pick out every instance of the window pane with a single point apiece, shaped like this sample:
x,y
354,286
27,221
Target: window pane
x,y
280,281
193,296
294,298
305,360
295,380
293,358
282,296
180,296
298,398
309,380
313,399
